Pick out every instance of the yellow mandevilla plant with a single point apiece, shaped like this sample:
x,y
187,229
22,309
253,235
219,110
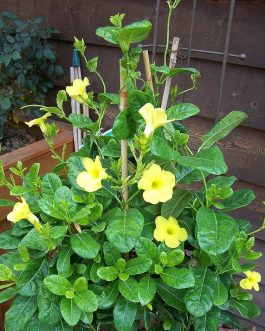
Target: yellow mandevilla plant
x,y
78,90
169,231
251,281
90,180
40,122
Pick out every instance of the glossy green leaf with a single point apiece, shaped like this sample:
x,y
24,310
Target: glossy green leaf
x,y
238,199
147,249
86,301
124,228
81,121
20,312
160,148
63,263
178,278
200,299
84,245
57,284
210,160
171,296
137,266
146,289
124,314
71,313
108,273
135,32
49,311
178,202
108,33
8,241
5,273
124,126
49,184
129,289
31,277
182,111
109,296
7,294
6,203
207,322
246,308
222,294
216,231
111,254
222,128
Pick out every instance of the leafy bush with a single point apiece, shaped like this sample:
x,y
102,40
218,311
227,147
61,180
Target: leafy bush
x,y
84,256
27,64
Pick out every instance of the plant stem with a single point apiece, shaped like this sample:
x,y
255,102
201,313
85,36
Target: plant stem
x,y
102,81
189,323
168,28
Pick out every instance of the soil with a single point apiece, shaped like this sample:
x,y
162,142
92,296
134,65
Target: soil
x,y
15,138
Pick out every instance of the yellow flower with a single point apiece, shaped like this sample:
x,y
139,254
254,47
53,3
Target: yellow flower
x,y
78,90
154,118
169,231
252,280
20,212
40,122
157,184
90,180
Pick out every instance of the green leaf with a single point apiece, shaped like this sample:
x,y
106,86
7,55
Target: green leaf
x,y
124,126
49,184
124,228
111,254
178,278
8,241
20,312
82,216
222,128
210,160
111,98
57,284
108,273
238,199
31,277
5,273
207,322
199,300
33,240
49,311
176,204
136,100
86,301
137,266
160,148
6,203
246,308
216,231
108,33
171,296
112,149
124,314
58,231
222,294
63,263
147,249
71,313
129,289
5,103
80,284
182,111
84,245
7,294
222,181
146,290
174,257
228,318
135,32
60,98
109,296
92,64
81,121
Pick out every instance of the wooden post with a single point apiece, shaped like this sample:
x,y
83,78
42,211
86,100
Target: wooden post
x,y
124,143
172,63
147,68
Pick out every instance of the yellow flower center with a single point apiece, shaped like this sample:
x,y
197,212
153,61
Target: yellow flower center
x,y
156,184
170,231
95,173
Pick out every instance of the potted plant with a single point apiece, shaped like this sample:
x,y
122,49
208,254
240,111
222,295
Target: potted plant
x,y
121,239
28,64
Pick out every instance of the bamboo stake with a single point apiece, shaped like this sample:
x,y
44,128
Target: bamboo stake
x,y
147,68
73,103
172,63
124,143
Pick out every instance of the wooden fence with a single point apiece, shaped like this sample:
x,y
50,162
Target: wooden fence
x,y
244,83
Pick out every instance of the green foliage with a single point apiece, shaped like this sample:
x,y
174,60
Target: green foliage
x,y
28,63
86,257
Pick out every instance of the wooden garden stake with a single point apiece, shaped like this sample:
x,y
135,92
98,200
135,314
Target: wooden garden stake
x,y
124,143
147,68
172,63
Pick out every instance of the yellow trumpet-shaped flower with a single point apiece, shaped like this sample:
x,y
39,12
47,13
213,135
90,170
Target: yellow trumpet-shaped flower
x,y
154,118
251,281
169,231
21,211
40,122
157,184
78,90
90,180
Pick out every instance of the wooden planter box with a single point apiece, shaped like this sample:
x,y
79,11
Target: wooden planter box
x,y
38,152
